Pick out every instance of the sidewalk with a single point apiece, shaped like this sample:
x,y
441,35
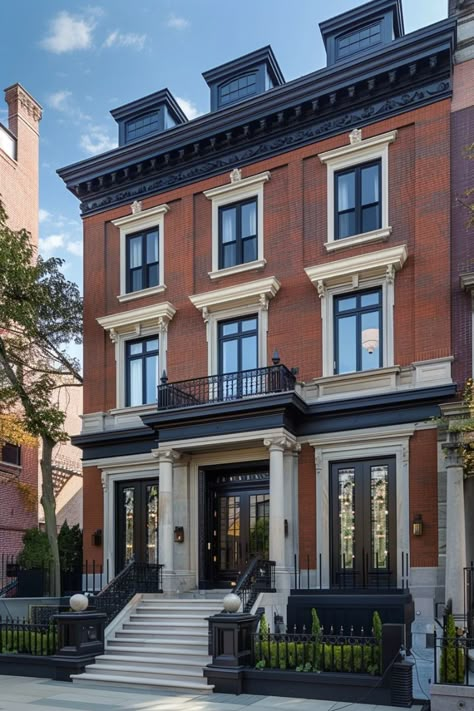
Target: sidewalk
x,y
27,694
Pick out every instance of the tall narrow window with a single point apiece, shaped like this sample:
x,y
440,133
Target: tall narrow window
x,y
358,331
141,371
237,233
358,200
143,269
238,357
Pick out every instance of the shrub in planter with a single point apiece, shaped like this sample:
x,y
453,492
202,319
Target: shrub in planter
x,y
36,552
452,656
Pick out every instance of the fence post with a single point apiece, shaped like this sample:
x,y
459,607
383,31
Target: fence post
x,y
80,640
231,636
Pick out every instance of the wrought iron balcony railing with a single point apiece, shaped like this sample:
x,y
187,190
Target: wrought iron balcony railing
x,y
226,387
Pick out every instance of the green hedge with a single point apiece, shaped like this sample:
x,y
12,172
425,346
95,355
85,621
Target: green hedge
x,y
35,643
451,670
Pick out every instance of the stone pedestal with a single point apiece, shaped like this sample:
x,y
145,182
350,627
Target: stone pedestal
x,y
230,638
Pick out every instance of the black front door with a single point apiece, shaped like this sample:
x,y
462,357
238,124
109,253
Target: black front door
x,y
363,514
137,522
236,524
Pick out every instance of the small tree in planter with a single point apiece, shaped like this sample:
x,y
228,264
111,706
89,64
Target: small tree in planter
x,y
452,655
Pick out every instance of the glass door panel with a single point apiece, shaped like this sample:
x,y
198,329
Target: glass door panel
x,y
136,535
259,534
229,533
363,515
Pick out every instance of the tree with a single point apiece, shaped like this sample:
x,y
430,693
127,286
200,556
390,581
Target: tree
x,y
40,315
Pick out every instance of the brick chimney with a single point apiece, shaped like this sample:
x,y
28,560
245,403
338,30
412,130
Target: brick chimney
x,y
19,178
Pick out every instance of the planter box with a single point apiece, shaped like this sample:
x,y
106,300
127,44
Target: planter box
x,y
306,685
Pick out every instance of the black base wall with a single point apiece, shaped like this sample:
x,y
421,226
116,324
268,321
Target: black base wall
x,y
57,668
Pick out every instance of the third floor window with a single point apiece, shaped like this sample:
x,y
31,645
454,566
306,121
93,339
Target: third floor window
x,y
238,233
143,269
357,200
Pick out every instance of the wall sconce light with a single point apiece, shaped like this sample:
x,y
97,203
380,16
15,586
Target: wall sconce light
x,y
97,537
418,525
179,534
286,527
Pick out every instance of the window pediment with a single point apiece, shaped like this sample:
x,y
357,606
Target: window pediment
x,y
256,293
157,315
345,271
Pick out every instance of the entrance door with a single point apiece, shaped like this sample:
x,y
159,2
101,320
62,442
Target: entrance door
x,y
137,522
237,522
363,523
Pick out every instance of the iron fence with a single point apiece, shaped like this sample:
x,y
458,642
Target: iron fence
x,y
451,659
225,387
259,576
25,637
359,574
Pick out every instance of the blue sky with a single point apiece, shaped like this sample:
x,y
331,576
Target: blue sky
x,y
81,60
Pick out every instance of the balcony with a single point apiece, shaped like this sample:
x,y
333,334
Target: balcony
x,y
224,388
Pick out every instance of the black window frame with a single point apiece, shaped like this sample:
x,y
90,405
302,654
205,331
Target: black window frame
x,y
358,207
240,92
140,356
240,335
155,124
15,450
144,268
358,311
356,34
239,240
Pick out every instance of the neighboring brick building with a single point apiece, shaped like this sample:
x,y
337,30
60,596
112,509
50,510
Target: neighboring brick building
x,y
19,144
307,221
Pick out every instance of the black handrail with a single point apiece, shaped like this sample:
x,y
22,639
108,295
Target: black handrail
x,y
225,387
134,578
258,576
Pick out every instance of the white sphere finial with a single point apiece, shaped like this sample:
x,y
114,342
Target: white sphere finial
x,y
79,602
231,603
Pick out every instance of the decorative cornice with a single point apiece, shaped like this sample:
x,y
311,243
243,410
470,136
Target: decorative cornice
x,y
383,261
358,146
158,315
139,216
411,72
237,184
467,281
257,292
26,101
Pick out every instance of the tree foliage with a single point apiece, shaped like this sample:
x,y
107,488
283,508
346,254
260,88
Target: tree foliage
x,y
40,316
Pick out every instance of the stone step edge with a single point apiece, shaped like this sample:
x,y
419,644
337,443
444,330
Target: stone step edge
x,y
141,681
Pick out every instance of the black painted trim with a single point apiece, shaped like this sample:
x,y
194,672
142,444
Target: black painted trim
x,y
197,143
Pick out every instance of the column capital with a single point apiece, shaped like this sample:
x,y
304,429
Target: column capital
x,y
281,443
166,455
452,449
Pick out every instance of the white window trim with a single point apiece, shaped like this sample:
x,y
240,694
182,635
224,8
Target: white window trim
x,y
233,302
238,189
362,444
138,323
137,221
358,151
356,273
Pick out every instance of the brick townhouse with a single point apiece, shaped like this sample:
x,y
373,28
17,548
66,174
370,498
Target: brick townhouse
x,y
267,321
19,147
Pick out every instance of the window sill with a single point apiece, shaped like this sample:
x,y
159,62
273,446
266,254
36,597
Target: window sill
x,y
142,293
365,238
247,267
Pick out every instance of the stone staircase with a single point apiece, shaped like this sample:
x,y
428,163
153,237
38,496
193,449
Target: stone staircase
x,y
163,644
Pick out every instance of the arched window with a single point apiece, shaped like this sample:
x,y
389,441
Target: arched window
x,y
238,88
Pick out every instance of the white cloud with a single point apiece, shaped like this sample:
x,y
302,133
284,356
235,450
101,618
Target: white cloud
x,y
69,32
43,215
51,243
177,23
97,140
188,107
75,247
125,39
59,100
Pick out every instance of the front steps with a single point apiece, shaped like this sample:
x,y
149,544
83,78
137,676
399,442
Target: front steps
x,y
162,644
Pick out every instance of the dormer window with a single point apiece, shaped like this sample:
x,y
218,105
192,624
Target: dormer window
x,y
138,127
358,40
238,89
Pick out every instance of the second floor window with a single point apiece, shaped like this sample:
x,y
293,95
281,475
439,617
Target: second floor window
x,y
10,454
141,371
143,268
358,331
238,233
357,200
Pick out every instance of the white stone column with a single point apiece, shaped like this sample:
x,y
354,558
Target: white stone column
x,y
166,459
455,526
277,447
